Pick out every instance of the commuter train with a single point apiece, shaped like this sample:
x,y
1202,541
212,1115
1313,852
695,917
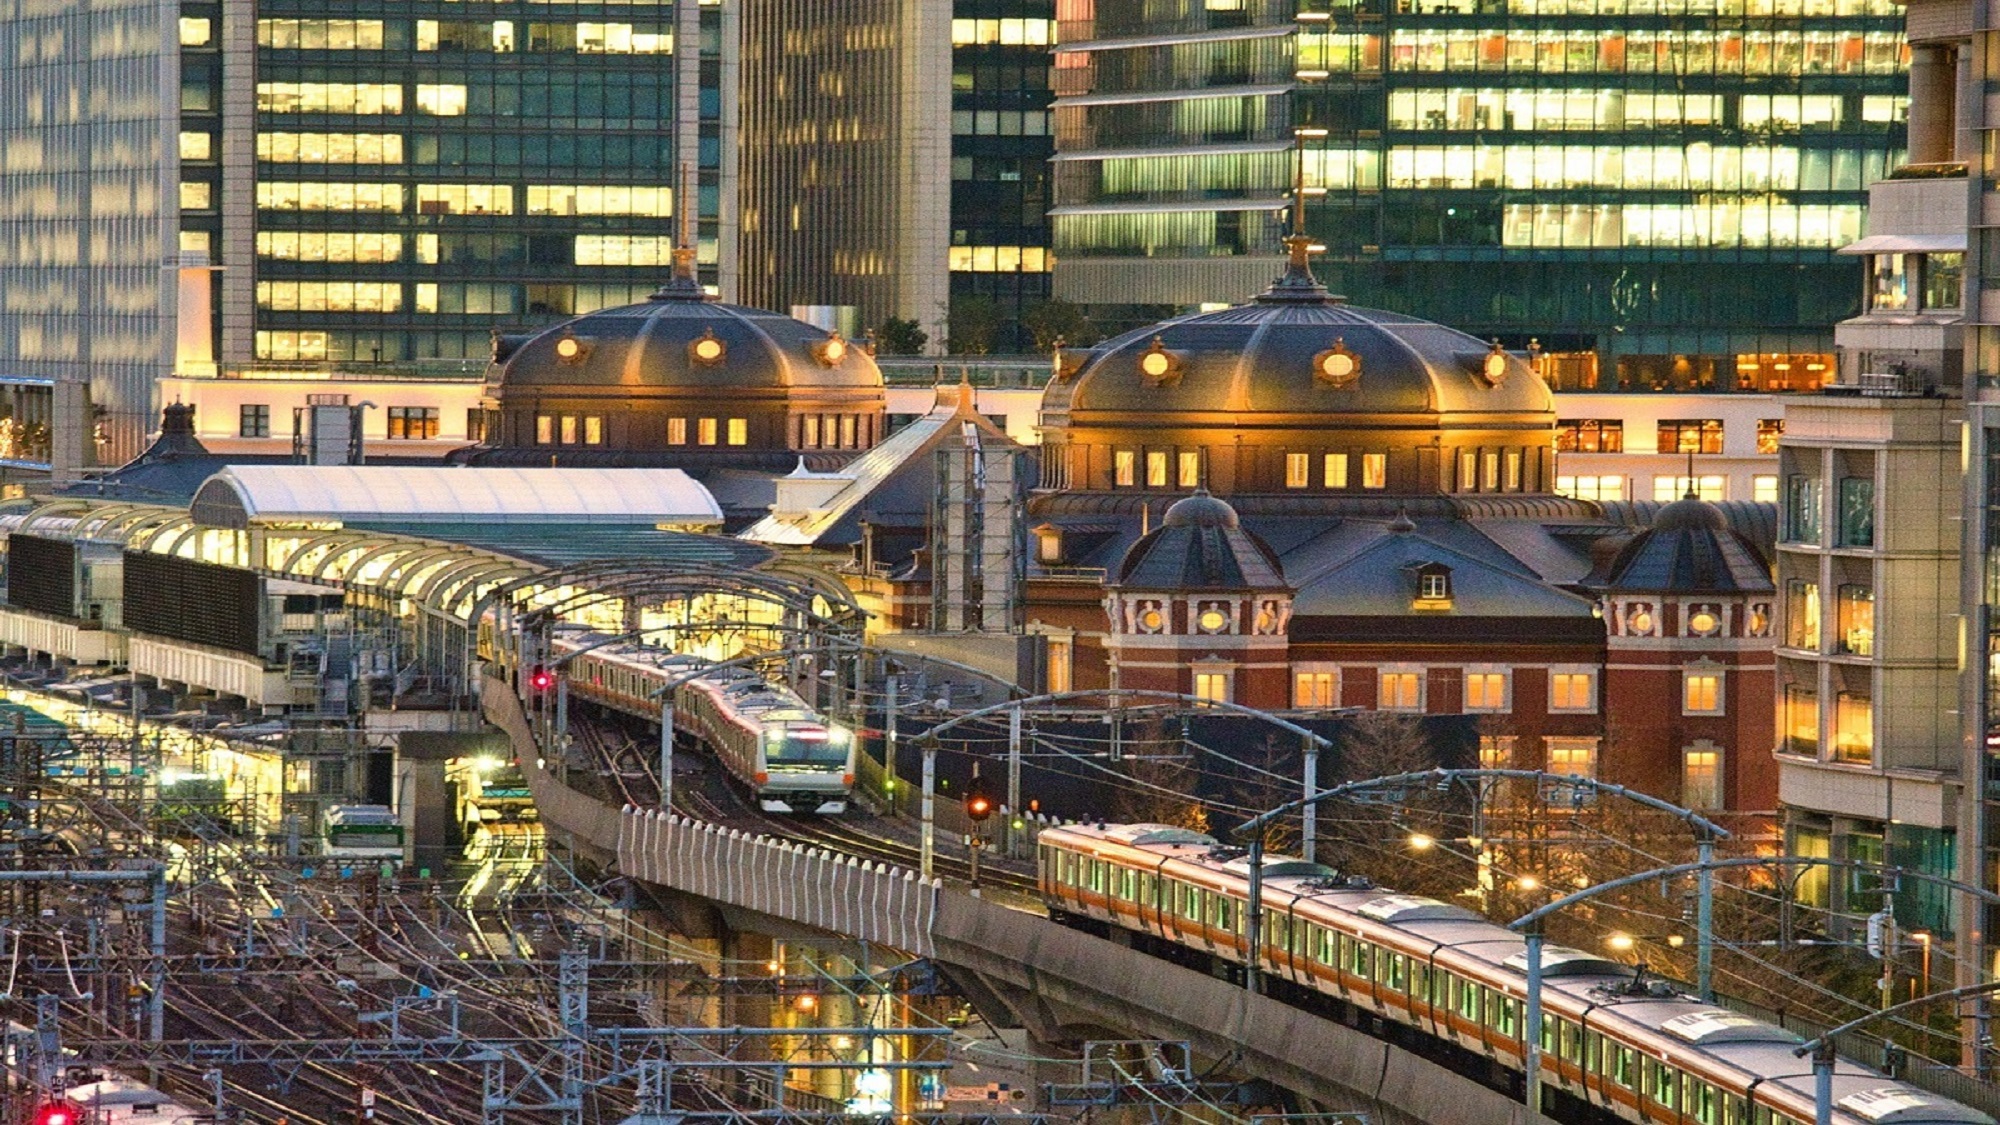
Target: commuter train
x,y
791,758
94,1097
1456,983
369,832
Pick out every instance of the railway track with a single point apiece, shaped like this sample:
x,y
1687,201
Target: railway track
x,y
706,794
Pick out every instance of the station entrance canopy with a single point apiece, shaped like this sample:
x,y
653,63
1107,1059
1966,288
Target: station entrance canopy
x,y
331,496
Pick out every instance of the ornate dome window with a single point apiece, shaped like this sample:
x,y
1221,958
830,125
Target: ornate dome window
x,y
571,350
707,349
1213,618
1704,621
1493,366
831,350
1337,368
1158,366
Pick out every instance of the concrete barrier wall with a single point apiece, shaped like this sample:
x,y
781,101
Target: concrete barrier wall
x,y
810,886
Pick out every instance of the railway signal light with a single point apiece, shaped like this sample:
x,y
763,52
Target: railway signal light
x,y
56,1113
979,802
541,679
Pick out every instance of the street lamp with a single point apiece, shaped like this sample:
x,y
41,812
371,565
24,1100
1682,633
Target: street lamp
x,y
1625,943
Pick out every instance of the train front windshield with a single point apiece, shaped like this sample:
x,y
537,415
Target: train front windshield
x,y
805,746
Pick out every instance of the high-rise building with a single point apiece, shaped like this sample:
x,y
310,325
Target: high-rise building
x,y
895,163
1654,188
359,187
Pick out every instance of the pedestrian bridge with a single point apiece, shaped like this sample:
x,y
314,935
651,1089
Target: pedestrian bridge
x,y
1020,968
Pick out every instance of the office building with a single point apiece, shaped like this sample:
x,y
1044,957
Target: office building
x,y
379,188
895,163
1655,188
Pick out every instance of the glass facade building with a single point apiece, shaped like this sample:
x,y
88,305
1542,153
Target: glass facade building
x,y
87,208
1001,141
1652,189
381,184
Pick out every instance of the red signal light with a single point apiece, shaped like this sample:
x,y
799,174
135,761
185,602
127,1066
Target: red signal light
x,y
55,1113
540,679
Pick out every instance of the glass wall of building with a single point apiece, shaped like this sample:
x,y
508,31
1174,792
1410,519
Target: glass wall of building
x,y
1655,189
421,181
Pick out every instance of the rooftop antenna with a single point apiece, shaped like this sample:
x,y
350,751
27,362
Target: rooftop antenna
x,y
1691,494
685,285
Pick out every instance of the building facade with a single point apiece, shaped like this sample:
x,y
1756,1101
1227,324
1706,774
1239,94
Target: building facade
x,y
376,188
1668,180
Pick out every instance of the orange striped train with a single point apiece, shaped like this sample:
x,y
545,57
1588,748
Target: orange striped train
x,y
1442,981
788,754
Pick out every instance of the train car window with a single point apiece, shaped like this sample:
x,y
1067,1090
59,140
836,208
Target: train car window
x,y
1661,1082
1363,962
1277,930
1735,1111
1127,883
1624,1066
1505,1015
1191,907
1549,1035
1321,941
1698,1101
1468,1001
1148,888
1396,971
1098,870
1420,980
1571,1037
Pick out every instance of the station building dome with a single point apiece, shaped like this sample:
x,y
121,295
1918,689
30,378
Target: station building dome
x,y
681,377
1298,391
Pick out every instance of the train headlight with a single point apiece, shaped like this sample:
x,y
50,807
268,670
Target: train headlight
x,y
839,736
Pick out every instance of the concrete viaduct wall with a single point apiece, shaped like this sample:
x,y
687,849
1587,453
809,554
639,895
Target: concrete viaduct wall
x,y
1059,983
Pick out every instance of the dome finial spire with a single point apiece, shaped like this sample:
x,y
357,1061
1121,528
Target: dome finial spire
x,y
685,285
1298,282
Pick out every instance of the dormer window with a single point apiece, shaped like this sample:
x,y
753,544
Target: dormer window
x,y
1433,587
1048,544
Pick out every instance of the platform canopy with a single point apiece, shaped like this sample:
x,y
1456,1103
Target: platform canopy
x,y
241,496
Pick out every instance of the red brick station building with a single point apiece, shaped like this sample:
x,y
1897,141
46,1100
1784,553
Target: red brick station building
x,y
1300,505
1293,504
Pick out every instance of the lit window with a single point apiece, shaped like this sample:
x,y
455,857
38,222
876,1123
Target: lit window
x,y
1316,689
1592,487
591,199
569,429
1573,757
1590,435
1486,691
1701,776
330,296
196,195
1489,471
1190,469
739,431
1572,691
465,199
283,196
1701,693
1156,469
1058,666
407,423
1854,605
331,246
1468,471
1399,691
1764,489
545,429
850,432
253,421
677,431
705,431
1802,615
441,101
1513,482
320,35
197,146
1853,728
1298,470
330,148
1374,470
195,32
809,431
1496,751
1124,468
1434,586
623,250
331,97
1769,430
1690,435
1336,470
1212,686
593,429
1713,489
